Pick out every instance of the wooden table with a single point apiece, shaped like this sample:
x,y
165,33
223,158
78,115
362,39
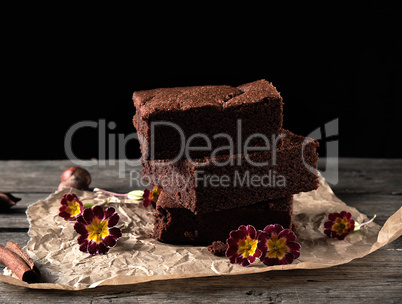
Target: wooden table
x,y
373,186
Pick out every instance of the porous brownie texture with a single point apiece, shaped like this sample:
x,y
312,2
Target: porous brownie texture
x,y
226,182
175,224
218,248
237,112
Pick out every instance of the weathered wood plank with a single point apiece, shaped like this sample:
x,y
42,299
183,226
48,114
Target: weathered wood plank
x,y
359,176
15,218
381,205
44,176
20,238
368,176
366,184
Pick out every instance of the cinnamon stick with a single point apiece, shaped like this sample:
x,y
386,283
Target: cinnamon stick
x,y
19,262
14,247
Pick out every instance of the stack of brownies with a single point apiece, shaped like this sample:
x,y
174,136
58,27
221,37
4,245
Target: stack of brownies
x,y
222,159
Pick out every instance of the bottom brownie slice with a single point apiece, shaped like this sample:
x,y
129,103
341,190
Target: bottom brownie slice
x,y
176,224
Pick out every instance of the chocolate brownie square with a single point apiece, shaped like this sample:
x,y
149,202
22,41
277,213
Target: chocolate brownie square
x,y
226,182
175,224
199,115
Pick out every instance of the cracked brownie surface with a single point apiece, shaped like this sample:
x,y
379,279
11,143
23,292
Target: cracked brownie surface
x,y
237,112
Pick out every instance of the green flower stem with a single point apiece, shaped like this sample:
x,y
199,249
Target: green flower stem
x,y
135,194
358,226
109,192
88,205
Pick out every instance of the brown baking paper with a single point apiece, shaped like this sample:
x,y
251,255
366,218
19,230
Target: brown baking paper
x,y
138,258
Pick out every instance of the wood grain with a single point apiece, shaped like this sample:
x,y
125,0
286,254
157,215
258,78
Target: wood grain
x,y
370,185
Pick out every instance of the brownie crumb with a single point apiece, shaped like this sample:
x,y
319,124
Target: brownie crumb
x,y
218,248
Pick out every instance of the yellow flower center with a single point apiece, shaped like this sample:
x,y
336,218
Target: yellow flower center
x,y
277,247
155,194
97,230
247,246
73,208
341,226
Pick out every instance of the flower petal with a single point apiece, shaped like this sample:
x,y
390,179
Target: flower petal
x,y
328,232
82,239
236,235
88,215
245,263
243,229
70,196
270,261
80,228
102,249
109,212
84,247
115,233
342,236
109,241
251,231
64,215
294,249
346,214
288,234
287,259
64,201
81,220
93,247
257,253
296,254
232,259
273,229
146,193
146,200
231,251
332,216
231,242
242,261
338,220
262,241
334,234
293,246
98,212
352,225
113,220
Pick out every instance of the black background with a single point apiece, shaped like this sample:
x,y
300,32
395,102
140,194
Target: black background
x,y
75,65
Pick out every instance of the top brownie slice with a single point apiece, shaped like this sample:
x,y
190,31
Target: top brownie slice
x,y
194,115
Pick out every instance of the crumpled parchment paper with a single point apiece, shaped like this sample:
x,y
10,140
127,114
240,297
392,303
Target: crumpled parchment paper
x,y
138,258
